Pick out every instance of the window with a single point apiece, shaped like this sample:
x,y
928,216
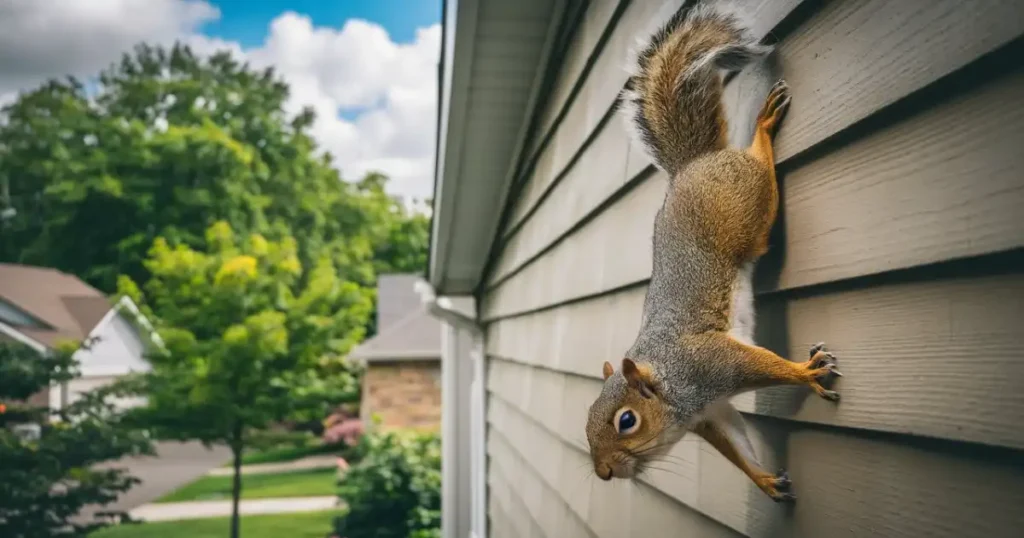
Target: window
x,y
17,317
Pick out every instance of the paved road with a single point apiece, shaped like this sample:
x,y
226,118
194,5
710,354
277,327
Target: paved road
x,y
310,462
176,464
201,509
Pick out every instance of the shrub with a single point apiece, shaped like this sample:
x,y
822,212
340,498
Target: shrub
x,y
395,489
48,468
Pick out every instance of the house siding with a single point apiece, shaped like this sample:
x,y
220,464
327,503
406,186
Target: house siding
x,y
899,243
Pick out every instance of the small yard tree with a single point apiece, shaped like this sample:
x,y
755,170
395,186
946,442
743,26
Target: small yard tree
x,y
46,481
252,337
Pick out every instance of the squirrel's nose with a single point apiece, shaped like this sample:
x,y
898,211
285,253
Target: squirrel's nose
x,y
604,472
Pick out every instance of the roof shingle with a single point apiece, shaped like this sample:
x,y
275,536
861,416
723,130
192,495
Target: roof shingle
x,y
405,330
67,305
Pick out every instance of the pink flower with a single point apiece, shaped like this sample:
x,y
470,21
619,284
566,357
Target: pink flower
x,y
347,430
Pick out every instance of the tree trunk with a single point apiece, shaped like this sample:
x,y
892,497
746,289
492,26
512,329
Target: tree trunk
x,y
236,485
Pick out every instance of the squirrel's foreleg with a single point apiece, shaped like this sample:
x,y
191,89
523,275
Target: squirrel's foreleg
x,y
758,367
724,429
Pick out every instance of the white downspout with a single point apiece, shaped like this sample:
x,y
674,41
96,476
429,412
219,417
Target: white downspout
x,y
444,309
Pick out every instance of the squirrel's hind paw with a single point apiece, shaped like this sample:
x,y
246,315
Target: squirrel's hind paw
x,y
778,487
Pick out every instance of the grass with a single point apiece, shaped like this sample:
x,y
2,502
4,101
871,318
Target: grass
x,y
305,483
299,525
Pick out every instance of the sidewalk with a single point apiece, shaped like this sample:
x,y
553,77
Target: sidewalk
x,y
203,509
304,464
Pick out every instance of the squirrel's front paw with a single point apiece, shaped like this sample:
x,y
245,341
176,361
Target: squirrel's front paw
x,y
778,487
822,366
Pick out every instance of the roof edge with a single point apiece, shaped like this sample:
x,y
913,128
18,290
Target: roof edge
x,y
18,336
458,40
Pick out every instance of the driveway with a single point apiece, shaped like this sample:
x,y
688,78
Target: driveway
x,y
175,464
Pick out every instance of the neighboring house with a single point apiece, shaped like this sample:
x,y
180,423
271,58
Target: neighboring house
x,y
402,383
41,307
899,244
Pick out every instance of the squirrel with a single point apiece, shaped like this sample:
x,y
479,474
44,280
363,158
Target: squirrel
x,y
695,346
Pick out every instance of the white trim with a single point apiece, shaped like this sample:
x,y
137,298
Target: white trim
x,y
24,339
128,303
478,440
450,466
459,43
464,484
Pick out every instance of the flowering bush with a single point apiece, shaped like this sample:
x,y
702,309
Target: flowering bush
x,y
394,491
340,429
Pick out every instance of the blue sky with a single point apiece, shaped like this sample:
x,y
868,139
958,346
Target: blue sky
x,y
245,21
368,68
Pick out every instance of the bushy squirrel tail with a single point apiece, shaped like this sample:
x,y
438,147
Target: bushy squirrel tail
x,y
673,100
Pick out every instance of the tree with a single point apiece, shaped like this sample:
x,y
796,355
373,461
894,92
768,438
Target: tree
x,y
252,337
45,482
166,144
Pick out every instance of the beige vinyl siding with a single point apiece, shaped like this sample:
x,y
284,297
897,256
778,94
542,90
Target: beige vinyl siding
x,y
899,244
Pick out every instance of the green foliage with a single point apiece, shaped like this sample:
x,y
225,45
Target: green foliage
x,y
284,453
252,336
89,431
395,489
168,144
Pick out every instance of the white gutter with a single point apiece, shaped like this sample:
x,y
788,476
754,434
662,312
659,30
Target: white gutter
x,y
442,308
463,419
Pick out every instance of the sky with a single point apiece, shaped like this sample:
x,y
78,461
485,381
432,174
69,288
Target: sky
x,y
368,67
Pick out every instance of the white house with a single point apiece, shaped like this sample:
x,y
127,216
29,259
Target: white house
x,y
899,244
41,307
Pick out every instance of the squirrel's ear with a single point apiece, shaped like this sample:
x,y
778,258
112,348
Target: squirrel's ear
x,y
639,377
607,370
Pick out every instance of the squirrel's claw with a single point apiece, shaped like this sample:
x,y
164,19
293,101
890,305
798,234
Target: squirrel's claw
x,y
784,498
780,484
821,364
782,480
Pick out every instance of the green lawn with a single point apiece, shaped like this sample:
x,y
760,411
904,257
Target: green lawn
x,y
307,483
300,525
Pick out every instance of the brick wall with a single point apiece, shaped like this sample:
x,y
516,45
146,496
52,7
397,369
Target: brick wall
x,y
403,394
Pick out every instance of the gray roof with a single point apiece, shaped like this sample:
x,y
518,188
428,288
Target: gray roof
x,y
405,330
396,298
67,307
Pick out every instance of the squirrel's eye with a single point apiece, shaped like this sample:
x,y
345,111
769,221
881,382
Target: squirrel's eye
x,y
627,422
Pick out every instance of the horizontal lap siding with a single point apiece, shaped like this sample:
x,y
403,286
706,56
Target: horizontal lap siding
x,y
983,109
938,358
895,160
849,483
590,148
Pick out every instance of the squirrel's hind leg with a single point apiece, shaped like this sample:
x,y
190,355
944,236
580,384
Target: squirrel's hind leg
x,y
768,120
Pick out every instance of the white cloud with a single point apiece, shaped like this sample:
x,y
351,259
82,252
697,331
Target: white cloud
x,y
46,38
391,88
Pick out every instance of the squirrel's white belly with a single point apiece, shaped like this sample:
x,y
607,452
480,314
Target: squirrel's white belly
x,y
741,311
